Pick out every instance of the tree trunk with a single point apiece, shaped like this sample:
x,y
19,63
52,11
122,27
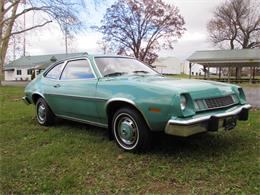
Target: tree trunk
x,y
232,44
1,75
5,37
1,34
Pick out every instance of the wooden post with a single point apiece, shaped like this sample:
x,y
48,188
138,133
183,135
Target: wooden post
x,y
205,72
254,73
250,78
229,74
236,74
219,73
190,70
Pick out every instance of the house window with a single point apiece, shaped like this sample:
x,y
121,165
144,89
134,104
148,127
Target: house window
x,y
19,72
29,72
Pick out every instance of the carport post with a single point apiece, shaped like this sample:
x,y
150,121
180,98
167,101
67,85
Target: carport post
x,y
208,73
250,78
254,73
228,74
236,73
205,72
190,70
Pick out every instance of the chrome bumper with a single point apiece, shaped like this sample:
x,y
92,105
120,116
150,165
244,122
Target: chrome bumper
x,y
26,100
212,122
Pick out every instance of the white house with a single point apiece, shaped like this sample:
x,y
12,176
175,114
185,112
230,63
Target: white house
x,y
196,69
168,65
22,68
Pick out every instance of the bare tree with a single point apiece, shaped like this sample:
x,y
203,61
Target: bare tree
x,y
64,12
141,28
104,46
236,24
15,46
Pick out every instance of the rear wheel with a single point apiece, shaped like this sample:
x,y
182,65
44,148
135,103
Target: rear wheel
x,y
44,114
130,130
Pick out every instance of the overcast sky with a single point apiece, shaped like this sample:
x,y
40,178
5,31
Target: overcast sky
x,y
195,12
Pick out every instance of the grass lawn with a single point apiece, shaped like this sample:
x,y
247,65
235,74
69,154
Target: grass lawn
x,y
72,158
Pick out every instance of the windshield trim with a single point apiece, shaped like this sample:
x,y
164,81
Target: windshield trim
x,y
126,57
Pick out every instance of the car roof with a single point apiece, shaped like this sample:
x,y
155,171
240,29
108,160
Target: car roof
x,y
96,56
110,56
86,55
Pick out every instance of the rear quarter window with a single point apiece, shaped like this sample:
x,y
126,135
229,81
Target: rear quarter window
x,y
55,72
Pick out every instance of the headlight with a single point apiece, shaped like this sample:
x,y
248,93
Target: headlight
x,y
241,94
183,102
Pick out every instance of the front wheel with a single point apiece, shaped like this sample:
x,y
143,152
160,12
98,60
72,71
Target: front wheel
x,y
130,130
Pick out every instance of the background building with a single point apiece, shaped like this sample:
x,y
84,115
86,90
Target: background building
x,y
23,68
233,64
168,65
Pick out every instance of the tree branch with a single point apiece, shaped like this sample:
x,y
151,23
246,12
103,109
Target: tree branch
x,y
10,6
33,27
43,8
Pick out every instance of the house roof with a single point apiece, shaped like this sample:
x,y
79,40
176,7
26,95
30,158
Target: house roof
x,y
241,57
39,60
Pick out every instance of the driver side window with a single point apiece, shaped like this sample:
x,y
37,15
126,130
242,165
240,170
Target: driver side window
x,y
77,69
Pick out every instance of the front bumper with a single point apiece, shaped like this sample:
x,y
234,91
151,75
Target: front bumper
x,y
26,100
205,122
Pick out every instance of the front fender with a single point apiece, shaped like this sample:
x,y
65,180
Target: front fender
x,y
155,105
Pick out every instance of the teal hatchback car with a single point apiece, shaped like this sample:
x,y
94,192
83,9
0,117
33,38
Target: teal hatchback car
x,y
132,100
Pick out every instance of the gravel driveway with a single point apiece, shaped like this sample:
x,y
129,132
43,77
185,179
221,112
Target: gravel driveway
x,y
15,83
253,96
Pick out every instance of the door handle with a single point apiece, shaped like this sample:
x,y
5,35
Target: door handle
x,y
56,86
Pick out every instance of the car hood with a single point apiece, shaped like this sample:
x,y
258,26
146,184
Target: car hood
x,y
196,88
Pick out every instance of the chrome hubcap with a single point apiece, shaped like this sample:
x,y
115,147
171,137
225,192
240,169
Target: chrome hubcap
x,y
41,112
127,131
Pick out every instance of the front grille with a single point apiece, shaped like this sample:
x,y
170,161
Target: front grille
x,y
219,102
214,103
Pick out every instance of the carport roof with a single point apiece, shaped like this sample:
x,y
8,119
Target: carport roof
x,y
216,58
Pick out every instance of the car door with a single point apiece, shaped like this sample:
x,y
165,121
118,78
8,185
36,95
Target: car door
x,y
76,90
50,87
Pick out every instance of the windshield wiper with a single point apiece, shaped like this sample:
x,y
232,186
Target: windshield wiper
x,y
141,71
114,74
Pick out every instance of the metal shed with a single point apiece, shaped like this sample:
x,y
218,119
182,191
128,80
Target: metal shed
x,y
226,58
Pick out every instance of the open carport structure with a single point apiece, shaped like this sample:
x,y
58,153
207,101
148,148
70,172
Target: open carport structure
x,y
227,59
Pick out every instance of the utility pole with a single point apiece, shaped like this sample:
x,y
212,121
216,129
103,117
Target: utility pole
x,y
66,41
14,48
24,26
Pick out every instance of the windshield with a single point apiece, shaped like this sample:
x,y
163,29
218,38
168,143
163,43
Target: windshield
x,y
117,66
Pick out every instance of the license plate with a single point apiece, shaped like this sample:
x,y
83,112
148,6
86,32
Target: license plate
x,y
230,123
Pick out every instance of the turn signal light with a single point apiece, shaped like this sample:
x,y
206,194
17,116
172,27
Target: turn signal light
x,y
154,110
